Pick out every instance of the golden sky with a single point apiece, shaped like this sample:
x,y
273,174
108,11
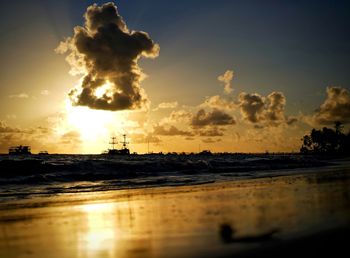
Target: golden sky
x,y
69,84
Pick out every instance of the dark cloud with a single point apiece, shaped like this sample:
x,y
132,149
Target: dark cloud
x,y
210,140
275,103
336,107
170,131
252,106
215,117
258,126
107,53
291,120
264,111
212,132
71,138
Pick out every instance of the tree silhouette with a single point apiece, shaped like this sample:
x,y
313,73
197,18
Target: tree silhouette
x,y
326,141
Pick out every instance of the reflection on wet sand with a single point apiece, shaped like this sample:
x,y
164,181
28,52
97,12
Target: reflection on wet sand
x,y
175,222
100,231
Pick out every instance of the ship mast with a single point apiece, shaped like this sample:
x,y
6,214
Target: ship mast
x,y
113,142
124,141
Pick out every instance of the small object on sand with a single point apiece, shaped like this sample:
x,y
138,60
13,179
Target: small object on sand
x,y
227,232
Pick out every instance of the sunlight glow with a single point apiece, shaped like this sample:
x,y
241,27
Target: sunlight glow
x,y
90,123
95,127
103,90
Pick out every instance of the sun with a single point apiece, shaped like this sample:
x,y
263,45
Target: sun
x,y
95,127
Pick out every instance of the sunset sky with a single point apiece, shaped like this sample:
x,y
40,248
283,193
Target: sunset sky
x,y
227,76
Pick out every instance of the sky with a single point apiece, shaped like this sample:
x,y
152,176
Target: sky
x,y
225,76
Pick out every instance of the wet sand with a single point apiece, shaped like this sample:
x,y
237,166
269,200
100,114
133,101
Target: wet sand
x,y
274,217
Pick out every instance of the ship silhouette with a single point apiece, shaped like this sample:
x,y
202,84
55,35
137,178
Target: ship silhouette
x,y
19,150
113,151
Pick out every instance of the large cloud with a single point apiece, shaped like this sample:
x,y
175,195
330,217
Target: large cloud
x,y
106,52
264,111
215,117
336,107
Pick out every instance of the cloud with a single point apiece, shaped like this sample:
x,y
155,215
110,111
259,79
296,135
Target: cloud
x,y
45,92
4,128
19,96
166,105
106,52
144,138
215,117
275,103
336,107
170,131
212,132
226,78
218,102
71,138
37,137
180,116
210,140
264,111
252,106
291,120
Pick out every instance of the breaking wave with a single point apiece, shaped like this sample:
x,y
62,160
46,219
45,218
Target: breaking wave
x,y
79,173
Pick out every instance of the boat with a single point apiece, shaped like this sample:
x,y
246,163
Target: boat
x,y
19,150
122,151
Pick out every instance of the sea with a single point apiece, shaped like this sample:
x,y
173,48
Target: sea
x,y
36,175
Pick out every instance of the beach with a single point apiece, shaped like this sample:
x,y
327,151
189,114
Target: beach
x,y
306,212
182,129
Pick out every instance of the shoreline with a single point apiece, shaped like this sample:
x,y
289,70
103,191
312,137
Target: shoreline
x,y
337,164
184,221
157,180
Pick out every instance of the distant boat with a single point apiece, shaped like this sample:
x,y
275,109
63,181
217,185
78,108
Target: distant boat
x,y
19,150
122,151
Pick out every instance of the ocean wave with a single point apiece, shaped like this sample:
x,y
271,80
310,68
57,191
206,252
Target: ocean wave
x,y
76,173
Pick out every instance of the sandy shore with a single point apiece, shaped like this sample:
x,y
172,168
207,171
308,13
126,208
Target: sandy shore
x,y
275,217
